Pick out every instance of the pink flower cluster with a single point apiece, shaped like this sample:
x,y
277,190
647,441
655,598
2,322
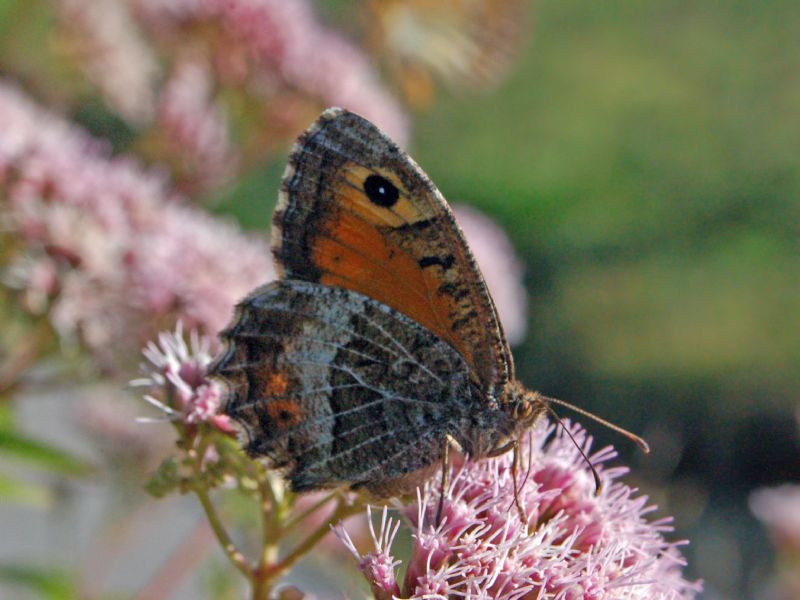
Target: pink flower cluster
x,y
113,54
779,510
183,71
195,127
276,45
107,249
176,372
575,545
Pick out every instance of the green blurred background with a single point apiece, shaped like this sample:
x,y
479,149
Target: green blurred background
x,y
644,157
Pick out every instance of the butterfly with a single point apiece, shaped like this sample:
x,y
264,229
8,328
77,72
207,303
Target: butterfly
x,y
464,43
379,349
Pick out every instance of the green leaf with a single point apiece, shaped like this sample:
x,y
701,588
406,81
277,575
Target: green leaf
x,y
165,480
23,492
48,584
40,454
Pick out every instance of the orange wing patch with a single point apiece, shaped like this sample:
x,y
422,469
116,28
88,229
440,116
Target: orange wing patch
x,y
355,253
356,212
364,261
276,384
284,413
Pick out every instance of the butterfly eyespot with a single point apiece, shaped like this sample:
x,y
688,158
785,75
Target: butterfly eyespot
x,y
284,413
381,191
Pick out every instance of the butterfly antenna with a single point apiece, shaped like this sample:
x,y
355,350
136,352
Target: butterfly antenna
x,y
598,485
631,436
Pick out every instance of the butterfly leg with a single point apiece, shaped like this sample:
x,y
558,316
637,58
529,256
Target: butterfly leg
x,y
515,463
449,441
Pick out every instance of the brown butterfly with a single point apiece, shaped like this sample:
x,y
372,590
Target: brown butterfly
x,y
380,349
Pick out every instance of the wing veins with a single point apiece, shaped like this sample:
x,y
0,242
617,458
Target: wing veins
x,y
319,341
404,351
351,411
319,319
351,449
302,394
359,477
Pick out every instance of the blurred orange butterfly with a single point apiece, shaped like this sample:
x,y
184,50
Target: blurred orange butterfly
x,y
461,42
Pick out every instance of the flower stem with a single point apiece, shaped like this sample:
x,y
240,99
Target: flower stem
x,y
271,530
235,556
310,510
270,571
24,355
231,551
342,511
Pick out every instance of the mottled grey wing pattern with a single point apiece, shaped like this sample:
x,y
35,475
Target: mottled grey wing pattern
x,y
337,388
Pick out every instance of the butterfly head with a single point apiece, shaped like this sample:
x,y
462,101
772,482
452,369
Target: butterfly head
x,y
496,430
524,406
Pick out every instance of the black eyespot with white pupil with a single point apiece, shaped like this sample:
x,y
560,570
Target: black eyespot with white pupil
x,y
381,191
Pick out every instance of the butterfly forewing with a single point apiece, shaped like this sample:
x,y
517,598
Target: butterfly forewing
x,y
338,388
356,212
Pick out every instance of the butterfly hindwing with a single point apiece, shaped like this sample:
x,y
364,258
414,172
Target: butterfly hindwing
x,y
356,212
337,388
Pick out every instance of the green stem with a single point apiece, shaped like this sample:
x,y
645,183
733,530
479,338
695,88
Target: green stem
x,y
271,506
235,556
271,530
309,511
281,568
231,551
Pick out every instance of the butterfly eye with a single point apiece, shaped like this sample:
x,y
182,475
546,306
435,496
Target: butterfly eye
x,y
381,191
523,410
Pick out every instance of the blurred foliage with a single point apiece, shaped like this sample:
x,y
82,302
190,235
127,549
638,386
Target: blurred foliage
x,y
647,154
46,460
45,584
23,337
37,453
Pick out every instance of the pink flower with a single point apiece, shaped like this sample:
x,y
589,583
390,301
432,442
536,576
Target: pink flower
x,y
104,38
576,544
280,47
378,567
196,267
195,128
107,249
501,268
176,372
779,509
